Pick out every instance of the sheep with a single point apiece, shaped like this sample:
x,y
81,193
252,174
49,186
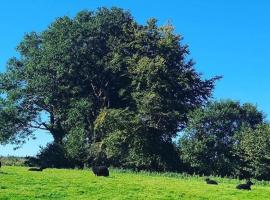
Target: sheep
x,y
36,169
245,186
100,170
211,182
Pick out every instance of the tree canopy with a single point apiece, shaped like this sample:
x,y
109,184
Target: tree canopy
x,y
99,80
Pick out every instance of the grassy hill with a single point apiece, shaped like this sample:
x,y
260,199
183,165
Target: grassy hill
x,y
20,184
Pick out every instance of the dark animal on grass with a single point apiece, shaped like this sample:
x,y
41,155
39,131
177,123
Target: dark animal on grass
x,y
245,186
0,164
36,169
100,170
211,182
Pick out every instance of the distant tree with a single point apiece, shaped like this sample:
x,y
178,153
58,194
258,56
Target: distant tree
x,y
69,74
208,141
253,152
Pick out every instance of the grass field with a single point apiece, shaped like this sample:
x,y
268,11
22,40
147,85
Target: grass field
x,y
20,184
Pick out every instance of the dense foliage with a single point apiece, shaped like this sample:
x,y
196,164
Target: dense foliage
x,y
107,88
253,152
208,143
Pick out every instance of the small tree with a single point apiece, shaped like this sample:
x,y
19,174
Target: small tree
x,y
253,151
208,141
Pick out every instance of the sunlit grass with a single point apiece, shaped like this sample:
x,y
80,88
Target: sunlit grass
x,y
18,183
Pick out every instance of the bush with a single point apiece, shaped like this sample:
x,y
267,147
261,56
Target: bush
x,y
54,156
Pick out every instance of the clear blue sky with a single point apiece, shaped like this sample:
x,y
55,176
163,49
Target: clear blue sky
x,y
225,37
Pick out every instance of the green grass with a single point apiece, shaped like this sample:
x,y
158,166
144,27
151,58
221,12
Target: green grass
x,y
18,183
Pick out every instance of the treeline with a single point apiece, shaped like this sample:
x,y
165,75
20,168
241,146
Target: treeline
x,y
13,161
112,91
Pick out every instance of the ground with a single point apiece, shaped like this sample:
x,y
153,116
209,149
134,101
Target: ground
x,y
20,184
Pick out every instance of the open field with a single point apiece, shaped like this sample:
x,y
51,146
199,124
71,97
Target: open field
x,y
20,184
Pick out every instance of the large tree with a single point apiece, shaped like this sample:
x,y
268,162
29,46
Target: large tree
x,y
69,74
207,143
